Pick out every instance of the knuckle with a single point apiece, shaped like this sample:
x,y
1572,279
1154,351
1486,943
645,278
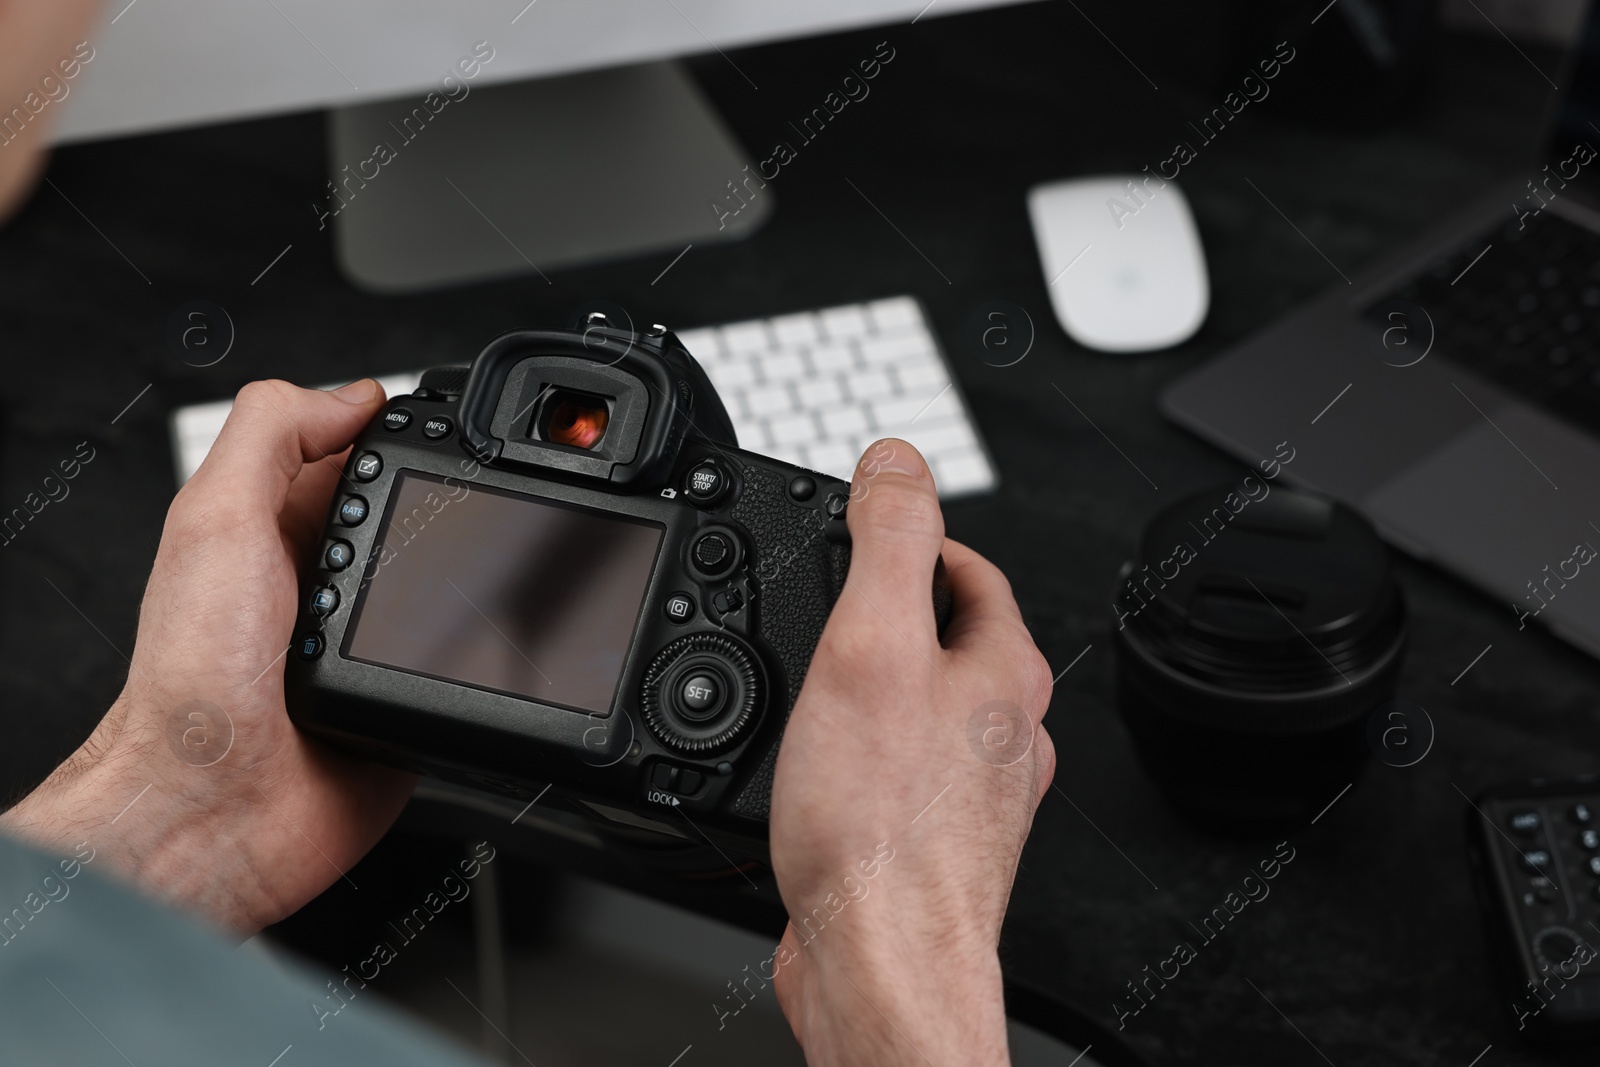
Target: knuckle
x,y
1037,680
849,652
1044,758
262,394
197,518
1001,582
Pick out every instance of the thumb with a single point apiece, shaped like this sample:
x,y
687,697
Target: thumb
x,y
896,531
275,429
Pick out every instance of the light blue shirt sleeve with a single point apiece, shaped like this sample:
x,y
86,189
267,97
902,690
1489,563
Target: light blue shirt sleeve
x,y
92,974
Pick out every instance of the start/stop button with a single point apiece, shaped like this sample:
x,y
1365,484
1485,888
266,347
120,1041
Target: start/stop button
x,y
705,484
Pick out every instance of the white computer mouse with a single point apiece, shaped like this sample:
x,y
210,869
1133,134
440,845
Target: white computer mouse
x,y
1122,260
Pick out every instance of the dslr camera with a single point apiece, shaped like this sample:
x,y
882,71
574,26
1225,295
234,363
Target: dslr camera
x,y
555,568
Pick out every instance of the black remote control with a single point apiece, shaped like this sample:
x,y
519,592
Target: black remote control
x,y
1536,854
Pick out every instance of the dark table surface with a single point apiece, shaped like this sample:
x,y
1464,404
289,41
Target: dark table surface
x,y
1369,950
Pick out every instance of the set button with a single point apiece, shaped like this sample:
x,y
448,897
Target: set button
x,y
700,695
367,466
353,511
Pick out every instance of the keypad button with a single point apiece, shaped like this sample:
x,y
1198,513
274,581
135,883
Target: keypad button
x,y
353,511
309,646
1594,865
679,607
396,419
339,556
1536,860
1526,823
367,466
324,600
437,427
1590,839
1581,814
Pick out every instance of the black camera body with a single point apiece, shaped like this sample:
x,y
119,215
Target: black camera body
x,y
556,568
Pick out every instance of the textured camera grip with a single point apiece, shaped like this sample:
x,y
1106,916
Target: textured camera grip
x,y
800,574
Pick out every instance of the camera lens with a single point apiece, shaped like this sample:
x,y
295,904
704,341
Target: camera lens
x,y
576,419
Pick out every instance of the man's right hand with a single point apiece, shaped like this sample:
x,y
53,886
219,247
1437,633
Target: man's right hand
x,y
905,788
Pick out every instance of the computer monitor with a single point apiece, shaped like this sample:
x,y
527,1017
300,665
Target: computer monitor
x,y
578,140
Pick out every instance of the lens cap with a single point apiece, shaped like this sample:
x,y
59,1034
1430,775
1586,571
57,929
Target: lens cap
x,y
1256,631
1282,592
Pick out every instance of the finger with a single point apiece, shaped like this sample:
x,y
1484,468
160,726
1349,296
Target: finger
x,y
896,531
983,608
275,429
305,511
986,623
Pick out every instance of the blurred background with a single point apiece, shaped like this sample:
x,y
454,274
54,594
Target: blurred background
x,y
197,227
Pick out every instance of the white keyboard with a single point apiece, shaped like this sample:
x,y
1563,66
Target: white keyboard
x,y
814,388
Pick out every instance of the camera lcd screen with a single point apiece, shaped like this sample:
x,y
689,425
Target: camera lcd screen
x,y
503,591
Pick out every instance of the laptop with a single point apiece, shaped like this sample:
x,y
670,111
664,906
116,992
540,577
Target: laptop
x,y
1452,392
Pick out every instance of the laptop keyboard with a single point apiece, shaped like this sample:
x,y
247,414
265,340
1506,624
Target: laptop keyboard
x,y
814,388
1525,315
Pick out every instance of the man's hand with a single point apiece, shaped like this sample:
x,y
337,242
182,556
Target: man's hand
x,y
195,786
906,784
37,49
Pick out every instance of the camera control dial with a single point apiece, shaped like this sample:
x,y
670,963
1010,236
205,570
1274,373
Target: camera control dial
x,y
700,693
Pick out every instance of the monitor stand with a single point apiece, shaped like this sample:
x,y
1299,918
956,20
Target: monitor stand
x,y
534,177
